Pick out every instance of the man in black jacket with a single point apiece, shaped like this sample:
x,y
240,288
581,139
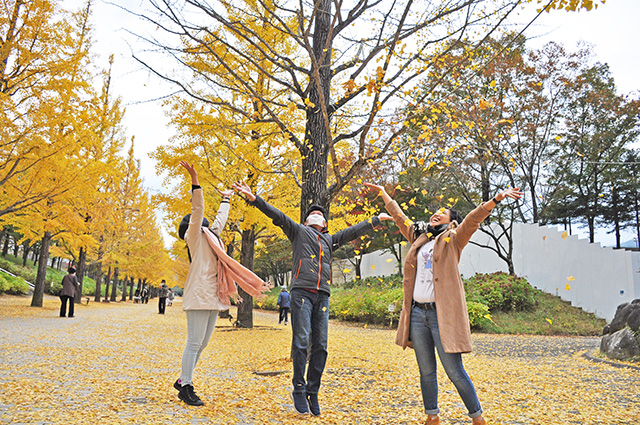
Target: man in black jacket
x,y
312,246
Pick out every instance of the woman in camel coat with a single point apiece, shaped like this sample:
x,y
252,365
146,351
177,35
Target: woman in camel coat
x,y
434,311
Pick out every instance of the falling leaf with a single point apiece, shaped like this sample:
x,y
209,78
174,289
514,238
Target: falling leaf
x,y
570,278
548,320
567,287
373,267
389,260
447,239
346,270
564,235
324,308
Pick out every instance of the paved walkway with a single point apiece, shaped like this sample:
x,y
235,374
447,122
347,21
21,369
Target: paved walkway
x,y
115,363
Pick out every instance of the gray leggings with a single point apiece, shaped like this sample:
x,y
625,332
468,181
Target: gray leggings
x,y
200,325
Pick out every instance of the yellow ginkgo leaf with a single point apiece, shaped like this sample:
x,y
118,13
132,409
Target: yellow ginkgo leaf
x,y
567,287
345,311
565,235
346,270
548,320
570,278
389,260
324,308
373,267
447,239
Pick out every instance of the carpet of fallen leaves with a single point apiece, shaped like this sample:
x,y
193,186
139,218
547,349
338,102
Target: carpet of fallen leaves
x,y
116,363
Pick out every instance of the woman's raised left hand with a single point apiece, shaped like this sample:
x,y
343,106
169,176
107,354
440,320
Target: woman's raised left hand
x,y
513,193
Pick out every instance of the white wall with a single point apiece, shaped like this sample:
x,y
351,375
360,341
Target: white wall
x,y
603,278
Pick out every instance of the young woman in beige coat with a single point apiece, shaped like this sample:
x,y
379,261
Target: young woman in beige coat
x,y
200,300
434,311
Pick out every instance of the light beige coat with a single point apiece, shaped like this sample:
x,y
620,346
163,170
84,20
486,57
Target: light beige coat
x,y
451,307
201,287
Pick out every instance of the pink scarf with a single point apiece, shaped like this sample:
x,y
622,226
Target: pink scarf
x,y
231,272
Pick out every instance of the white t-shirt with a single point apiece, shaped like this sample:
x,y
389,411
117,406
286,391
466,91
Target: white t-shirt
x,y
423,288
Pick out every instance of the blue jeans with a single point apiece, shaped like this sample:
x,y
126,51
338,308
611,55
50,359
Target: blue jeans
x,y
425,336
309,320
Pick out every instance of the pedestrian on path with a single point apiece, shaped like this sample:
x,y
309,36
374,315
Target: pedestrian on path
x,y
210,282
284,303
69,286
312,246
163,293
171,297
434,311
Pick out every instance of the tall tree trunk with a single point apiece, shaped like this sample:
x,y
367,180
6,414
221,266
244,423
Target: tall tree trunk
x,y
114,285
25,254
5,247
592,233
38,291
82,264
245,307
125,283
616,215
131,282
107,284
315,149
16,247
96,296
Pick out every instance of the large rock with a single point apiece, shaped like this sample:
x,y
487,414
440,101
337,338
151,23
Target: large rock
x,y
627,314
620,345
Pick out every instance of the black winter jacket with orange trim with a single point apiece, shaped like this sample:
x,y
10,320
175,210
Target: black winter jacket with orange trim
x,y
312,249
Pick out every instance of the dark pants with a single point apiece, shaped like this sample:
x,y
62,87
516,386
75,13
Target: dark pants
x,y
63,307
284,314
162,302
309,320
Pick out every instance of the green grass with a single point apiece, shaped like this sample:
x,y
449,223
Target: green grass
x,y
565,319
54,277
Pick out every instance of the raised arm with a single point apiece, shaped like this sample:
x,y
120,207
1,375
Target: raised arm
x,y
197,203
223,212
402,221
279,218
472,221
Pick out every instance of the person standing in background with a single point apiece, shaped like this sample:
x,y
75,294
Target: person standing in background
x,y
69,286
284,302
163,293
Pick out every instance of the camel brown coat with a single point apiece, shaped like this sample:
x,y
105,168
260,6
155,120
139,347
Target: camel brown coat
x,y
451,307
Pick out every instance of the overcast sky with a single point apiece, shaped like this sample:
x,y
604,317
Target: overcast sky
x,y
612,29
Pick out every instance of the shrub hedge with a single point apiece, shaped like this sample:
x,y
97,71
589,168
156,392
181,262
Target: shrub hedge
x,y
12,285
500,292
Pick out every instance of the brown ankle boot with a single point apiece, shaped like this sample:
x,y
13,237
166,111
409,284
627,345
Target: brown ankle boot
x,y
480,421
432,421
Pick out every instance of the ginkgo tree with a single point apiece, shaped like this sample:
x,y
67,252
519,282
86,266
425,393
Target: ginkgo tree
x,y
354,62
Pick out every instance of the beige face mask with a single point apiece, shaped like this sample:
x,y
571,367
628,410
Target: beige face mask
x,y
315,220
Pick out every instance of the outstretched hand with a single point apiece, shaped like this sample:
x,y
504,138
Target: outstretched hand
x,y
225,193
374,187
384,216
244,189
191,170
513,193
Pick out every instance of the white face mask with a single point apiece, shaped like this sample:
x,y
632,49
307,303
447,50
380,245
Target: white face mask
x,y
315,220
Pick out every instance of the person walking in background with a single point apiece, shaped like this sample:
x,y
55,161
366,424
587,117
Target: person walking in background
x,y
69,286
312,246
163,293
171,297
434,311
145,294
210,283
284,302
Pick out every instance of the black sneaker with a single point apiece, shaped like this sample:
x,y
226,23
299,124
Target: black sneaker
x,y
177,385
188,395
300,403
314,407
